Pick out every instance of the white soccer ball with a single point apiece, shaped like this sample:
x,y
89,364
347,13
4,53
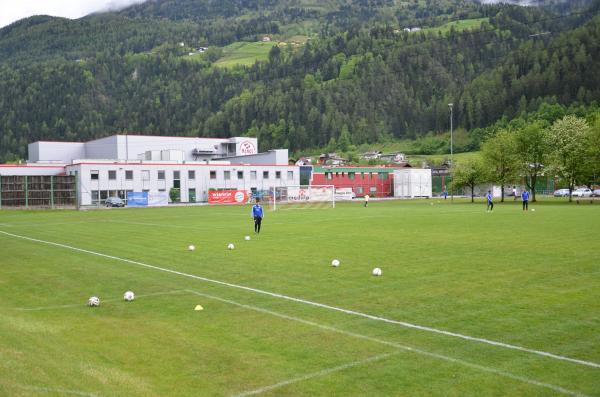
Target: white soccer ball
x,y
335,263
230,246
533,209
247,238
94,301
377,272
192,248
129,296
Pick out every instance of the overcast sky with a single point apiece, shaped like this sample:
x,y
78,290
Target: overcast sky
x,y
13,10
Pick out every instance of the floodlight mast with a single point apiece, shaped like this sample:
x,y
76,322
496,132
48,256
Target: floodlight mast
x,y
450,105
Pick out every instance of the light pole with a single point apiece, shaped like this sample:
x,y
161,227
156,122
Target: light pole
x,y
451,154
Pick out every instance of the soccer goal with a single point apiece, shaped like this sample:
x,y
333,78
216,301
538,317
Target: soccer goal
x,y
302,197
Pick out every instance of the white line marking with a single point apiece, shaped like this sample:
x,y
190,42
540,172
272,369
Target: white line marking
x,y
321,305
61,391
27,309
397,346
315,375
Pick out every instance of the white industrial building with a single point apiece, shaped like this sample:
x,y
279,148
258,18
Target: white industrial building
x,y
118,164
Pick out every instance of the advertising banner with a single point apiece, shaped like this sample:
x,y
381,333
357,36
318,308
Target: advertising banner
x,y
156,199
137,199
227,197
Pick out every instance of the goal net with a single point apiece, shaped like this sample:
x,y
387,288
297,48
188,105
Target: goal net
x,y
302,197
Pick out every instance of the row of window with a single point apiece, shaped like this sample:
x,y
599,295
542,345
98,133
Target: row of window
x,y
382,176
112,175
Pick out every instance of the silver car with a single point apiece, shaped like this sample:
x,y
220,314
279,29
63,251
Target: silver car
x,y
561,193
582,192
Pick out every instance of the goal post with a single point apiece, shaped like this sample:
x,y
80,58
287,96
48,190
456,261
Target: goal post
x,y
302,197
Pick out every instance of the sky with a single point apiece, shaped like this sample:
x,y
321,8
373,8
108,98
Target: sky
x,y
13,10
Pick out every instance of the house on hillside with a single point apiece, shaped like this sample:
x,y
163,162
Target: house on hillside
x,y
396,158
373,155
266,39
304,161
331,159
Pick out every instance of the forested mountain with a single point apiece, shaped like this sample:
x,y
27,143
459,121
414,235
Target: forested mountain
x,y
360,78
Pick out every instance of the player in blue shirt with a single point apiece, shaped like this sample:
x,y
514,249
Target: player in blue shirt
x,y
257,215
525,198
490,202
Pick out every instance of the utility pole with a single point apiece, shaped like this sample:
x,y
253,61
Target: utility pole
x,y
450,105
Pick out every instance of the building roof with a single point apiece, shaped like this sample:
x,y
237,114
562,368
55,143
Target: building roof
x,y
354,169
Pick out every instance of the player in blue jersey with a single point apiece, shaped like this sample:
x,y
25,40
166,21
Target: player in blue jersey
x,y
525,198
490,201
257,215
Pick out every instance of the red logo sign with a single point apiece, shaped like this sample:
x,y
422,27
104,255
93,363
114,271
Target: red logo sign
x,y
227,197
247,147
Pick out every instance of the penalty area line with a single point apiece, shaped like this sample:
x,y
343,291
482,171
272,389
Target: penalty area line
x,y
321,305
317,374
398,346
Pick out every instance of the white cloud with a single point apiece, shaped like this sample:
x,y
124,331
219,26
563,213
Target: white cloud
x,y
11,11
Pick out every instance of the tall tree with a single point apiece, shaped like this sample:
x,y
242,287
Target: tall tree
x,y
532,148
469,173
500,158
570,138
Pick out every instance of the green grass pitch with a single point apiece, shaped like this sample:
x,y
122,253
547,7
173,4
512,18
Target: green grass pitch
x,y
530,280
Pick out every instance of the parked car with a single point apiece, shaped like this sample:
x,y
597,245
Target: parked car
x,y
596,193
582,192
561,193
114,202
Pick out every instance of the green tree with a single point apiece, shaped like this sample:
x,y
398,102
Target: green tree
x,y
532,148
500,158
570,138
469,173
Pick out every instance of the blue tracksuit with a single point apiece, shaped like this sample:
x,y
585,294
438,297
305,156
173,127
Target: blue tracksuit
x,y
257,214
490,203
525,198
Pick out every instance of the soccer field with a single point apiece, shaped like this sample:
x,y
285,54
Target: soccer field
x,y
469,303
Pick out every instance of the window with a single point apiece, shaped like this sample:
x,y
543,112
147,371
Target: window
x,y
351,176
176,179
253,175
161,175
290,175
162,190
145,175
328,176
94,175
240,174
382,176
191,174
362,175
265,174
192,195
129,175
227,175
277,174
373,189
370,175
112,175
359,190
213,174
95,196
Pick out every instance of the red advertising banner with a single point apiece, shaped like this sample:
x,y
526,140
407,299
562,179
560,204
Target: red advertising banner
x,y
227,197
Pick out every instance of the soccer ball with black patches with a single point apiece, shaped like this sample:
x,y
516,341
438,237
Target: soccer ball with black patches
x,y
129,296
94,301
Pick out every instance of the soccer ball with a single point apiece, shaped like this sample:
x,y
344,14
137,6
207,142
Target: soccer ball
x,y
533,209
335,263
247,238
94,301
129,296
192,248
230,246
377,272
